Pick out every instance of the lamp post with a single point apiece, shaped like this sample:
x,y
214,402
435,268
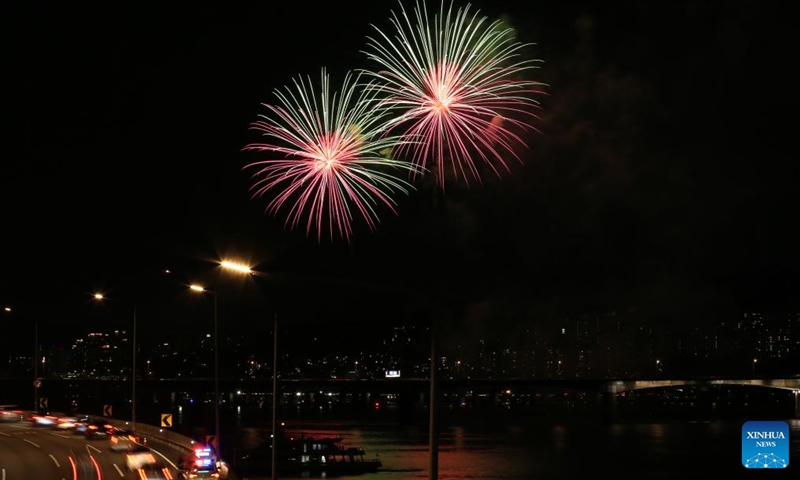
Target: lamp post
x,y
201,289
100,297
244,269
755,360
658,363
274,468
36,365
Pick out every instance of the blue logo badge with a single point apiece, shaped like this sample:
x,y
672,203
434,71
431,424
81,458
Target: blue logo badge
x,y
765,444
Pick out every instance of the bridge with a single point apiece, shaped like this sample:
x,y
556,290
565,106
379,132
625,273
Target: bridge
x,y
617,386
584,384
607,389
398,385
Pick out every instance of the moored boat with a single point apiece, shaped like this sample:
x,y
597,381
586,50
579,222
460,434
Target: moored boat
x,y
312,455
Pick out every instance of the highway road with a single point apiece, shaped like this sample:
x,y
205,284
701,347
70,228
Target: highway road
x,y
28,452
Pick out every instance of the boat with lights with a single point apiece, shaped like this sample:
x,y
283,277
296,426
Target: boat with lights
x,y
310,455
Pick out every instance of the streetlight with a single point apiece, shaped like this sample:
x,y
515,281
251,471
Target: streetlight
x,y
36,381
658,362
201,289
236,267
100,297
240,268
755,360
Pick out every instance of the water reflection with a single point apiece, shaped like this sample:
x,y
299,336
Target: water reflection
x,y
524,450
560,437
459,435
658,433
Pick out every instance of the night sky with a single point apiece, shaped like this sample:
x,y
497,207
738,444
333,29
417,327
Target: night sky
x,y
663,179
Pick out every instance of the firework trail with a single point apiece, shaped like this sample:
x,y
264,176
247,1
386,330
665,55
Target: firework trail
x,y
327,156
457,83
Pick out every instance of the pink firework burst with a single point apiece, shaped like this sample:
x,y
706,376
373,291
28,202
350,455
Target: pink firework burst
x,y
329,156
458,86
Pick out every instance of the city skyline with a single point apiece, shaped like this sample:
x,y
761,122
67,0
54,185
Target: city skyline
x,y
611,345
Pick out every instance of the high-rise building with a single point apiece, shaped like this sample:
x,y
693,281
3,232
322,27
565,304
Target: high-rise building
x,y
102,355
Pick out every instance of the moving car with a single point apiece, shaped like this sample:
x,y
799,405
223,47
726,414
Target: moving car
x,y
122,441
201,464
49,419
139,457
66,423
7,415
98,429
81,424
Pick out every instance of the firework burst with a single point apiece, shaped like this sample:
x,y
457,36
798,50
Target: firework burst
x,y
457,83
327,156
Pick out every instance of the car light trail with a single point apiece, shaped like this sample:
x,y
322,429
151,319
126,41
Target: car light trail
x,y
96,467
74,469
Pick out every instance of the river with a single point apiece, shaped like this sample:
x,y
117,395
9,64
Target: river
x,y
526,450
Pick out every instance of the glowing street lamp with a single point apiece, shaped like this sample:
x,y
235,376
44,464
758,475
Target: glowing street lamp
x,y
755,360
236,267
100,297
201,289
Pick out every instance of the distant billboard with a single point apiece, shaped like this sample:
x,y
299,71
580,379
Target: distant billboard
x,y
392,373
